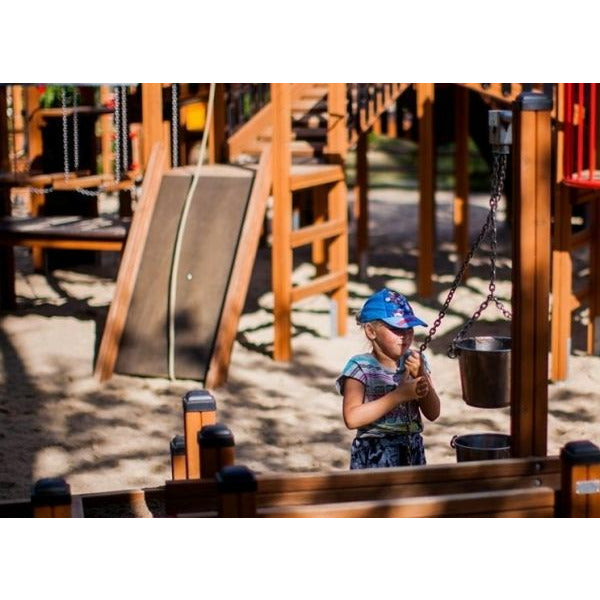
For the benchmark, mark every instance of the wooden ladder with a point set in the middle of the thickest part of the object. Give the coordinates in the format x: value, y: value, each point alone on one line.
x: 328, y: 234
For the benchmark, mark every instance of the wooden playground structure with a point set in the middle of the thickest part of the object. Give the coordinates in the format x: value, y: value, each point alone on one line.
x: 291, y: 142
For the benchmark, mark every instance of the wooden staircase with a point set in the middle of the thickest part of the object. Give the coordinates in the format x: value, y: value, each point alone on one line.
x: 310, y: 128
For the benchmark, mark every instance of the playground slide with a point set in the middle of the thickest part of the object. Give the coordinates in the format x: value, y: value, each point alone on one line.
x: 210, y: 247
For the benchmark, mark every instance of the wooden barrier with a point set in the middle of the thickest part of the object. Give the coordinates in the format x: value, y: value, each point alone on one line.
x: 178, y: 468
x: 580, y: 481
x: 199, y: 409
x: 217, y: 449
x: 564, y: 486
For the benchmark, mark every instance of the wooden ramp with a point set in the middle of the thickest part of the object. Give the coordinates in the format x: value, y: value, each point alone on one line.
x: 218, y: 249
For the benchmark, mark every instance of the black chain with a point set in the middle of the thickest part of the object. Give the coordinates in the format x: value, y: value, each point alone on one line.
x: 489, y: 228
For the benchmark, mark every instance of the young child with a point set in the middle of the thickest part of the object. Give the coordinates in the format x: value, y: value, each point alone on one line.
x: 388, y: 389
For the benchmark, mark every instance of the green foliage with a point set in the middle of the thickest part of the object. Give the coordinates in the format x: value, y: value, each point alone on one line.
x: 52, y: 96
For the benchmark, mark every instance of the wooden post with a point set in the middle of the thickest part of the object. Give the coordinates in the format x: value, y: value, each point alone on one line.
x: 152, y: 121
x: 217, y: 449
x: 199, y: 409
x: 4, y: 146
x: 216, y: 136
x: 461, y: 170
x: 593, y: 330
x: 337, y: 150
x: 580, y: 480
x: 361, y: 205
x: 178, y: 468
x: 237, y: 492
x: 562, y: 276
x: 51, y: 498
x: 106, y: 132
x: 282, y: 259
x: 531, y: 276
x: 426, y: 236
x: 319, y: 247
x: 34, y: 124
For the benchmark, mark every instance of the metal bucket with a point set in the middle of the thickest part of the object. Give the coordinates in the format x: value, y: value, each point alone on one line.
x: 481, y: 446
x: 485, y: 370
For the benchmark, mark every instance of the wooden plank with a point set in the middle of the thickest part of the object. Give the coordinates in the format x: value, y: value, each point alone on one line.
x: 318, y: 231
x: 542, y: 281
x: 307, y: 176
x: 241, y: 273
x: 361, y: 205
x: 426, y: 154
x: 319, y: 245
x: 5, y: 165
x: 561, y: 286
x: 320, y: 285
x: 282, y: 222
x: 495, y: 503
x: 216, y: 136
x: 129, y: 267
x: 523, y: 298
x: 75, y: 183
x: 152, y: 119
x: 338, y: 256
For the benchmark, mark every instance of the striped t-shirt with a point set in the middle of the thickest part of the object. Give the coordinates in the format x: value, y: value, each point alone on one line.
x: 378, y: 382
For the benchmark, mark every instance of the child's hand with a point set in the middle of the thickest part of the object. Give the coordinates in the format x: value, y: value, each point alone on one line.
x: 413, y: 363
x: 415, y: 388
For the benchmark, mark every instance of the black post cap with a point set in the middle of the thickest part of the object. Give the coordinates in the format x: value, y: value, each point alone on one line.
x: 534, y: 101
x: 51, y: 491
x: 236, y: 479
x: 581, y: 452
x: 215, y: 436
x: 177, y: 445
x: 199, y: 401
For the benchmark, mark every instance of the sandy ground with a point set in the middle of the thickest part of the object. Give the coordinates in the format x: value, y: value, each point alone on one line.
x: 57, y: 420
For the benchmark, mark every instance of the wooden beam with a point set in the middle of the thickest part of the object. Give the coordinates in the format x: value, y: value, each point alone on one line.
x: 426, y: 235
x: 4, y: 151
x: 361, y: 205
x: 152, y: 121
x: 130, y: 264
x: 282, y: 221
x: 562, y: 283
x: 531, y: 273
x: 216, y: 136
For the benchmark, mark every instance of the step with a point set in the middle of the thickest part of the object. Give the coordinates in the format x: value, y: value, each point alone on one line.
x: 319, y: 231
x: 298, y: 148
x: 307, y: 105
x: 307, y: 176
x: 311, y: 119
x: 319, y: 285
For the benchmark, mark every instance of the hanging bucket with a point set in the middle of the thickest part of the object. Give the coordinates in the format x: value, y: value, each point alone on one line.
x: 481, y: 446
x: 485, y: 371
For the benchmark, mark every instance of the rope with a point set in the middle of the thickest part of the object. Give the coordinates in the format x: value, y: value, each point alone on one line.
x: 179, y: 236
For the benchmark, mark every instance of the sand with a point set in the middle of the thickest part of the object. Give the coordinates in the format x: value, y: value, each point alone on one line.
x: 58, y: 420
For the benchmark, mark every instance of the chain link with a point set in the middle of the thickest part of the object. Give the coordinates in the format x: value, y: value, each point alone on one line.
x: 489, y: 229
x: 174, y: 125
x: 63, y: 94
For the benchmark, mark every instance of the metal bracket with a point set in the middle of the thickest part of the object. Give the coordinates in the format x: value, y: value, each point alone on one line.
x: 592, y: 486
x: 500, y: 126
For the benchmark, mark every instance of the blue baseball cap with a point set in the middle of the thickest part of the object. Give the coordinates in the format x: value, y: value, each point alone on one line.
x: 390, y: 307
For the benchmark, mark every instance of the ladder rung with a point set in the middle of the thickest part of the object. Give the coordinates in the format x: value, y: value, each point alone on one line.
x: 307, y: 176
x: 319, y: 285
x: 77, y: 182
x: 319, y: 231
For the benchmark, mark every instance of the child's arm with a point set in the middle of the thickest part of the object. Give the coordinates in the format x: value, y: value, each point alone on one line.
x: 358, y: 414
x: 430, y: 403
